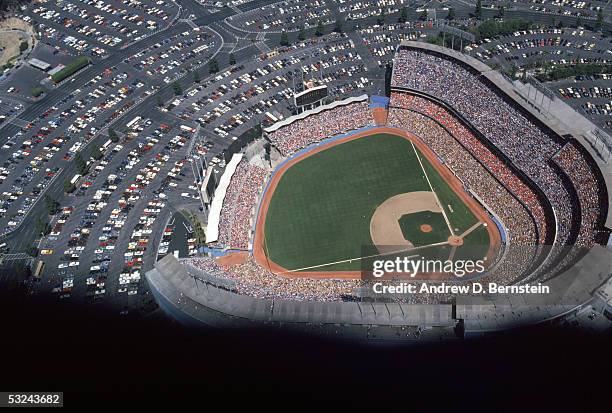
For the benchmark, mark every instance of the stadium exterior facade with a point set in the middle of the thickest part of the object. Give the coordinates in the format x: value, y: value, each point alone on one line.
x: 197, y: 299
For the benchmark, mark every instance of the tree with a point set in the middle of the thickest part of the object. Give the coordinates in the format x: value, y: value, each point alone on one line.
x: 41, y: 225
x: 37, y: 91
x: 112, y: 135
x: 51, y: 204
x: 159, y: 101
x: 213, y: 66
x: 492, y: 28
x: 381, y: 17
x: 23, y: 46
x: 302, y: 34
x: 478, y: 11
x: 502, y: 11
x: 178, y: 89
x: 451, y: 14
x: 96, y: 153
x: 32, y: 251
x: 600, y: 19
x: 68, y: 187
x: 403, y: 17
x: 423, y: 15
x: 21, y: 270
x: 232, y: 59
x: 320, y: 29
x: 196, y: 77
x: 80, y: 164
x: 338, y: 26
x: 284, y: 39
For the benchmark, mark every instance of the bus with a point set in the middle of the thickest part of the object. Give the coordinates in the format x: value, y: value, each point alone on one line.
x: 74, y: 179
x: 186, y: 128
x: 38, y: 269
x: 273, y: 119
x: 106, y: 145
x: 133, y: 121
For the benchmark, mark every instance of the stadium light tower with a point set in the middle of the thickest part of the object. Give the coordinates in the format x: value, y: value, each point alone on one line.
x: 197, y: 158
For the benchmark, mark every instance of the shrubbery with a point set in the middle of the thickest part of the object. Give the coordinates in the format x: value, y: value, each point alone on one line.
x: 493, y: 28
x: 73, y: 67
x: 37, y: 91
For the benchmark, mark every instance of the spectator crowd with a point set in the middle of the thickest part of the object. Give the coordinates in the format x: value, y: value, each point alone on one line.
x: 316, y: 127
x: 529, y: 146
x: 239, y: 205
x: 253, y: 280
x: 575, y: 165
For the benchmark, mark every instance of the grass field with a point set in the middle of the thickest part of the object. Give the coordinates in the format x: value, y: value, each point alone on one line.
x: 320, y: 211
x: 410, y: 225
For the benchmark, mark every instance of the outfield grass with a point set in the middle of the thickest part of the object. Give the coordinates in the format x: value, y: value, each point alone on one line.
x: 460, y: 217
x: 475, y: 245
x: 321, y: 209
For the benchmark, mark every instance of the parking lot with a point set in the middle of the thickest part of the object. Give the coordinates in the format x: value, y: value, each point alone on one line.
x: 592, y: 95
x: 177, y: 55
x: 539, y: 50
x: 95, y: 27
x: 9, y: 108
x: 239, y: 98
x: 34, y: 155
x: 97, y: 246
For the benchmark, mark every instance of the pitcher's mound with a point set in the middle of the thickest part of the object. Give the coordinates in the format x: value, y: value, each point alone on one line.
x: 426, y: 228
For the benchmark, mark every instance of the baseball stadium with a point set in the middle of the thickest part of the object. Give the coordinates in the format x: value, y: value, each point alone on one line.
x: 453, y: 163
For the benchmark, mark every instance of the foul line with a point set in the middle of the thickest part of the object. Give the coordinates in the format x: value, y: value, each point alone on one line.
x: 370, y: 256
x: 471, y: 229
x: 432, y: 190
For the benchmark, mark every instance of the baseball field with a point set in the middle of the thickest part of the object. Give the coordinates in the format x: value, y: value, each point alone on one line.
x: 325, y: 209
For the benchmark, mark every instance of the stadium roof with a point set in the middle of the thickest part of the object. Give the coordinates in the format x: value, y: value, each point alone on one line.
x: 191, y: 299
x: 212, y: 228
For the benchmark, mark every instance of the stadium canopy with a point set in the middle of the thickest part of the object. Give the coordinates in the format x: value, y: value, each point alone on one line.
x: 212, y: 228
x: 319, y: 109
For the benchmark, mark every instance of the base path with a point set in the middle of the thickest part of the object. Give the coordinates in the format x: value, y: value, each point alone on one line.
x: 259, y: 248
